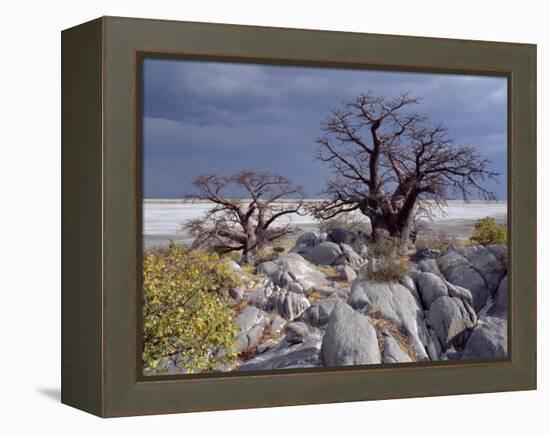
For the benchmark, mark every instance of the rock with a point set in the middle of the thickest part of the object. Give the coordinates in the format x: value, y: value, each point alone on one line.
x: 499, y: 251
x: 450, y: 319
x: 347, y: 273
x: 488, y: 339
x: 319, y: 313
x: 434, y: 348
x: 277, y: 324
x: 296, y: 287
x: 296, y: 267
x: 289, y: 305
x: 261, y: 294
x: 351, y: 257
x: 430, y: 287
x: 286, y: 355
x: 305, y: 242
x: 459, y: 271
x: 408, y: 282
x: 324, y: 253
x: 237, y: 294
x: 268, y: 268
x: 428, y: 266
x: 251, y: 323
x: 485, y: 263
x: 350, y: 339
x: 255, y: 334
x: 266, y: 346
x: 461, y: 293
x: 338, y: 235
x: 397, y: 305
x: 296, y: 332
x: 500, y: 302
x: 393, y: 353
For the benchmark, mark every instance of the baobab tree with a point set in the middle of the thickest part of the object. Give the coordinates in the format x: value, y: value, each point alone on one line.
x: 245, y: 224
x: 389, y: 161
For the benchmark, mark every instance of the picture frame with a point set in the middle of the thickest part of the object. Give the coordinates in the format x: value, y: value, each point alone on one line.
x: 101, y: 216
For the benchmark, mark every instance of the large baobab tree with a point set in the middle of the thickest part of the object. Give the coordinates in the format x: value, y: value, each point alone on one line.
x: 245, y: 224
x: 389, y: 161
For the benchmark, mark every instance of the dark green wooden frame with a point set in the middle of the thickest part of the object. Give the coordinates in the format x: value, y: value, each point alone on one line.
x: 101, y: 191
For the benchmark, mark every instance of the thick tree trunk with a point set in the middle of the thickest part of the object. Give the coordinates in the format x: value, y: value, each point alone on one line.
x: 389, y: 227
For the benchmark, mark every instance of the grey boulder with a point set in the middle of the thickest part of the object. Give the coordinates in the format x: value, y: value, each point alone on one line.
x: 251, y: 323
x: 324, y: 253
x: 487, y: 265
x: 305, y: 242
x: 450, y: 319
x: 458, y: 271
x: 288, y: 304
x: 489, y: 339
x: 397, y: 305
x: 500, y: 302
x: 287, y: 355
x: 296, y: 332
x: 339, y: 235
x: 319, y: 313
x: 293, y: 266
x: 430, y: 287
x: 350, y: 339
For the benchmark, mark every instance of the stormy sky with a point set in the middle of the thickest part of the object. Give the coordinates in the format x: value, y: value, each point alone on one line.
x: 223, y: 117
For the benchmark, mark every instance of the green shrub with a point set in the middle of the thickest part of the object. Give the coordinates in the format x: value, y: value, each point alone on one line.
x: 388, y: 270
x: 487, y: 231
x: 186, y: 314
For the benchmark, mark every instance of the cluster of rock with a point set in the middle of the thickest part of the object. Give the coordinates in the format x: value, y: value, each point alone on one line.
x: 450, y: 307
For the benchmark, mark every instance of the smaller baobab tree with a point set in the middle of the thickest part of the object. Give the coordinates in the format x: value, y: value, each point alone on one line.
x: 248, y: 223
x: 389, y: 162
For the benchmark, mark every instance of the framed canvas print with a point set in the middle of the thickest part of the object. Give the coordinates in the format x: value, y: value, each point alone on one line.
x: 262, y: 217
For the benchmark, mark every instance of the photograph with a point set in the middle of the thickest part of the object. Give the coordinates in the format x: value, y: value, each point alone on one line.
x: 307, y: 217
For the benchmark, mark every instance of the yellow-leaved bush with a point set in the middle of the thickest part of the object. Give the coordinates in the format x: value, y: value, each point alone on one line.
x: 487, y: 231
x: 187, y: 318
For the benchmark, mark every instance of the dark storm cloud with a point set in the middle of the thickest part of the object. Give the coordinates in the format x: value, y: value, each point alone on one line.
x: 203, y: 116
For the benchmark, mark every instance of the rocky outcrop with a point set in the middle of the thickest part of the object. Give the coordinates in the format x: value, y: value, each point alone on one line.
x: 344, y: 319
x: 430, y: 287
x: 485, y: 263
x: 297, y: 332
x: 292, y: 268
x: 288, y: 355
x: 325, y: 253
x: 458, y: 270
x: 489, y: 339
x: 451, y: 320
x: 398, y: 306
x: 349, y: 339
x: 288, y: 304
x: 319, y: 313
x: 500, y: 302
x: 251, y: 323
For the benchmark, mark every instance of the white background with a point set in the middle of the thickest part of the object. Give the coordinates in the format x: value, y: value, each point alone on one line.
x: 30, y: 214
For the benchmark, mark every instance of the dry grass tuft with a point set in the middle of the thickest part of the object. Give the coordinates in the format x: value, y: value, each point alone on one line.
x: 381, y: 324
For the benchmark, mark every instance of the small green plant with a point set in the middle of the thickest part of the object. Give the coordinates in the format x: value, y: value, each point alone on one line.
x: 487, y: 231
x: 186, y: 313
